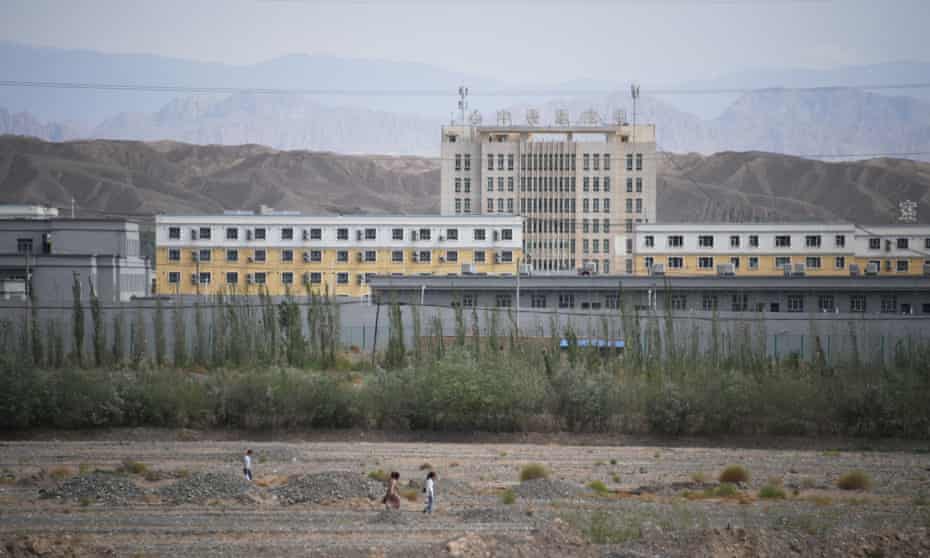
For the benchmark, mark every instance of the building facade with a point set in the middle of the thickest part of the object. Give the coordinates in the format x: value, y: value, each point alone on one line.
x: 578, y: 189
x: 40, y: 255
x: 777, y: 249
x: 288, y: 252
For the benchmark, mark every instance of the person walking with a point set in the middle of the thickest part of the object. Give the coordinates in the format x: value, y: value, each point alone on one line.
x: 392, y: 497
x: 247, y: 465
x: 430, y: 489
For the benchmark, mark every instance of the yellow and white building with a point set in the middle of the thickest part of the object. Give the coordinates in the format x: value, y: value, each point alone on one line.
x: 770, y: 249
x: 242, y: 252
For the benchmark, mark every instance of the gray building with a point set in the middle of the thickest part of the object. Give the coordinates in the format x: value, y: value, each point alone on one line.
x: 43, y: 252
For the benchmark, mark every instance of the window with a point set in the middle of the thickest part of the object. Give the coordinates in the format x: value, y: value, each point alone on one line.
x: 639, y: 205
x: 204, y: 233
x: 585, y: 225
x: 500, y: 205
x: 174, y: 233
x: 639, y: 185
x: 425, y: 256
x: 606, y: 206
x: 676, y: 241
x: 510, y: 184
x: 675, y: 262
x: 458, y: 205
x: 507, y: 256
x: 490, y: 184
x: 452, y: 256
x: 566, y: 301
x: 342, y: 256
x: 606, y: 183
x: 287, y: 233
x: 927, y: 243
x: 584, y: 246
x: 901, y: 266
x: 316, y: 234
x: 371, y: 256
x: 500, y: 161
x: 825, y: 303
x: 812, y: 241
x: 458, y: 162
x: 650, y: 241
x: 734, y: 241
x: 467, y: 205
x: 500, y: 183
x: 490, y: 161
x: 705, y: 262
x: 174, y: 276
x: 287, y: 255
x: 467, y: 184
x: 342, y: 278
x: 342, y: 234
x: 260, y: 255
x: 839, y: 262
x: 397, y: 234
x: 629, y: 205
x: 509, y: 205
x: 679, y: 302
x: 467, y: 162
x: 371, y: 234
x: 585, y: 206
x: 606, y: 226
x: 639, y: 161
x: 585, y: 184
x: 232, y: 233
x: 596, y: 184
x: 510, y: 163
x: 629, y: 185
x: 648, y: 261
x: 839, y: 241
x: 734, y: 261
x: 606, y: 161
x: 316, y: 256
x: 397, y: 256
x: 490, y: 205
x: 875, y: 244
x: 479, y: 256
x: 205, y: 255
x: 587, y: 161
x: 507, y: 234
x: 537, y: 301
x: 782, y: 262
x: 753, y: 241
x: 857, y: 303
x: 232, y: 255
x: 596, y: 245
x: 739, y: 302
x: 287, y: 277
x: 902, y: 244
x: 503, y: 301
x: 316, y: 277
x: 795, y: 303
x: 889, y: 304
x: 425, y: 234
x: 708, y: 302
x: 706, y: 241
x: 812, y: 262
x: 595, y: 205
x: 629, y: 161
x: 783, y: 241
x: 260, y: 233
x: 205, y: 277
x: 174, y: 255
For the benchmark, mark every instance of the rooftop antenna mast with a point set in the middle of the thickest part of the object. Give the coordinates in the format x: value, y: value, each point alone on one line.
x: 463, y: 102
x: 634, y: 92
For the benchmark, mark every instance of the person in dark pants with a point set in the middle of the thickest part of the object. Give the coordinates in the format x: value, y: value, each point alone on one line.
x: 430, y: 490
x: 247, y: 465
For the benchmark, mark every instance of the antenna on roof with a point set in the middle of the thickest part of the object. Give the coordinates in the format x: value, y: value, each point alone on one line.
x: 463, y: 102
x: 634, y: 92
x: 532, y: 117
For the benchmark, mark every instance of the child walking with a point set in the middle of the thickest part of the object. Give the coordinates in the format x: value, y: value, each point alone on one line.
x: 247, y: 465
x: 430, y: 490
x: 392, y: 497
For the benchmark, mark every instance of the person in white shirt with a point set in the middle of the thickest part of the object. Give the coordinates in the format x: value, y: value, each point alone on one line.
x: 247, y: 465
x: 430, y: 490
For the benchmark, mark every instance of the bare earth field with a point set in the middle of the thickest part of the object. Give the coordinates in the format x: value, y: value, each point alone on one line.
x: 82, y: 498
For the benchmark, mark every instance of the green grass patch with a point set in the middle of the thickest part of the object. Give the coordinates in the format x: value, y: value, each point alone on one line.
x: 378, y: 475
x: 698, y: 477
x: 726, y: 490
x: 132, y: 467
x: 533, y: 471
x: 734, y: 474
x: 599, y: 487
x: 772, y: 492
x: 616, y: 478
x: 854, y: 480
x: 508, y: 497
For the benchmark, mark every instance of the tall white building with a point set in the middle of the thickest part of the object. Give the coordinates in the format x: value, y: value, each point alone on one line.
x: 578, y: 188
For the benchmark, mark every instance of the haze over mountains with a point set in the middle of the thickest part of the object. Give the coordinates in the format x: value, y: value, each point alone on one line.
x: 134, y: 178
x: 828, y: 121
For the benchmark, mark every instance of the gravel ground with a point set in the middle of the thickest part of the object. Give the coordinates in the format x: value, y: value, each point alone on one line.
x: 315, y: 498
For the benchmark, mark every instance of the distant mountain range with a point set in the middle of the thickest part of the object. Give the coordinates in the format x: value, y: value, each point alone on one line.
x: 139, y: 179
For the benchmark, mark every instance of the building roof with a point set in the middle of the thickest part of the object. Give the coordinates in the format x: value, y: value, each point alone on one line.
x: 491, y: 220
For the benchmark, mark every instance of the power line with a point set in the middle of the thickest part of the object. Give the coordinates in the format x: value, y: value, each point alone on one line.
x: 161, y: 88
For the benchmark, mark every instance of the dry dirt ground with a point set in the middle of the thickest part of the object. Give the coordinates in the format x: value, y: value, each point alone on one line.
x: 658, y: 502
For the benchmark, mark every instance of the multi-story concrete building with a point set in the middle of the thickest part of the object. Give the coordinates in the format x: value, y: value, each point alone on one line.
x: 41, y: 253
x: 768, y: 249
x: 285, y: 251
x: 578, y: 189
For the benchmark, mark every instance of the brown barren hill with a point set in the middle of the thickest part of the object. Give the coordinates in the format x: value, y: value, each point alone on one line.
x: 137, y: 178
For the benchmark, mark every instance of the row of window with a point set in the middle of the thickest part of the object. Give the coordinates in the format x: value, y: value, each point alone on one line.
x: 260, y: 277
x: 342, y: 256
x: 595, y: 244
x: 780, y: 241
x: 781, y: 262
x: 888, y: 304
x: 548, y: 161
x: 342, y: 233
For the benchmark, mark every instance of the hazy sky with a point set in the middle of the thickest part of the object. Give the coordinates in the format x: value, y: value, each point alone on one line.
x: 653, y: 41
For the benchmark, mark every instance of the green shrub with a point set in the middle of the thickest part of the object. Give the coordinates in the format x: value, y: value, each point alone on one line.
x: 613, y: 461
x: 599, y: 487
x: 616, y: 478
x: 854, y: 480
x: 734, y: 474
x: 771, y: 491
x: 533, y: 471
x: 726, y: 490
x: 379, y: 475
x: 508, y: 497
x: 698, y: 477
x: 133, y: 467
x: 426, y: 467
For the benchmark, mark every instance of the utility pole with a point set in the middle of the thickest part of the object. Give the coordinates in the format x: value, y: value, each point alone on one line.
x: 72, y: 207
x: 519, y: 265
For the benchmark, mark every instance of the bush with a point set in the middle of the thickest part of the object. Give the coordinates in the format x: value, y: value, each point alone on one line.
x: 854, y: 480
x: 133, y: 467
x: 409, y: 494
x: 379, y: 475
x: 61, y: 473
x: 426, y: 467
x: 508, y: 497
x: 771, y: 491
x: 533, y: 471
x: 599, y: 487
x: 698, y: 477
x: 726, y: 490
x: 616, y: 478
x: 734, y: 474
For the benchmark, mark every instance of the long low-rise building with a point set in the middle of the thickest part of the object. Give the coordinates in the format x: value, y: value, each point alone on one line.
x: 282, y: 252
x: 770, y: 249
x: 904, y: 295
